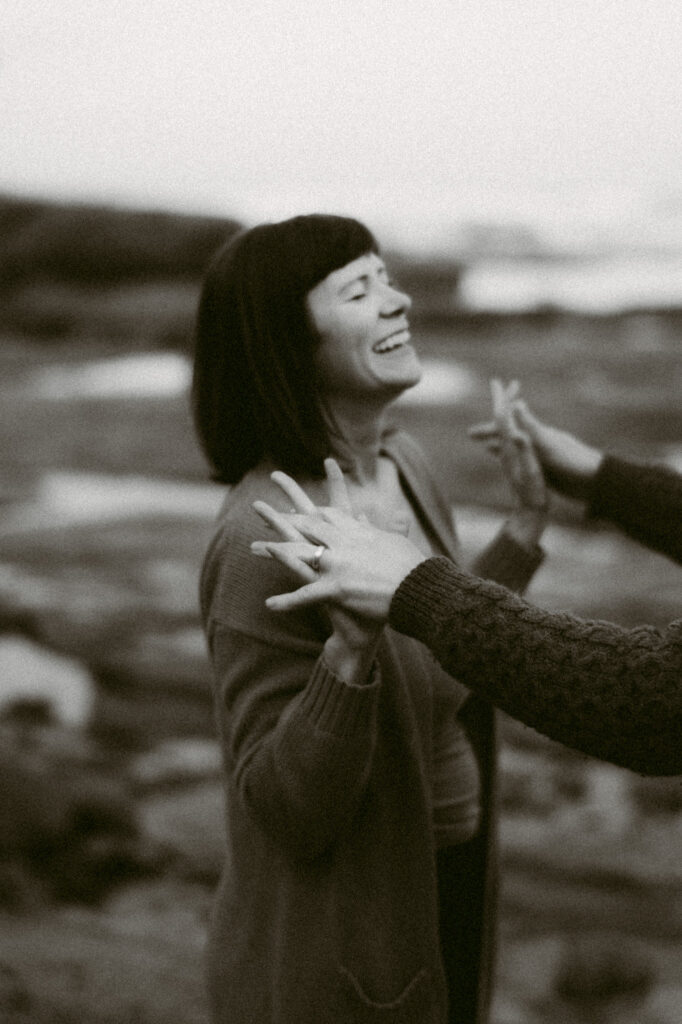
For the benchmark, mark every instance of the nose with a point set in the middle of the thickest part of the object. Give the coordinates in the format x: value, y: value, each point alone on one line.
x: 394, y: 301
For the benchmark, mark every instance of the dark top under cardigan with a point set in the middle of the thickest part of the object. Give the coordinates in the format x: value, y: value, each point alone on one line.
x: 610, y: 692
x: 328, y: 908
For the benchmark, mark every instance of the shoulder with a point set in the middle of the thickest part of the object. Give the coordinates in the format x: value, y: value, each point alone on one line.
x: 234, y: 582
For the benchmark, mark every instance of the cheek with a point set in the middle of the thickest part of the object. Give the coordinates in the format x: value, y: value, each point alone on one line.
x: 338, y: 363
x: 329, y: 364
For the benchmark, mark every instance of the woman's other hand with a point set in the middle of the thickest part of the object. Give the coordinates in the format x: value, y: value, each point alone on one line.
x: 360, y: 565
x: 513, y: 445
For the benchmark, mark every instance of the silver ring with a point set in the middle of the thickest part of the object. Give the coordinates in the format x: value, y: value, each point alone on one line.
x: 314, y: 562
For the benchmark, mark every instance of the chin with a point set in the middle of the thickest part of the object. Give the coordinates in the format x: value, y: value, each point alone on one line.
x: 398, y: 386
x: 412, y: 374
x: 397, y: 373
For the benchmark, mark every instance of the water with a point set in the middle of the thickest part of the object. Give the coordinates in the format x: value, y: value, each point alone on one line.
x: 145, y: 375
x: 167, y: 374
x: 604, y: 285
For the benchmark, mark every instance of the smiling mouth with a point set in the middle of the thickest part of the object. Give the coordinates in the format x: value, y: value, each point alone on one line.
x: 392, y: 342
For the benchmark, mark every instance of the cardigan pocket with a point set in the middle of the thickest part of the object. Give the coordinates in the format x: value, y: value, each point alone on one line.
x: 415, y: 1004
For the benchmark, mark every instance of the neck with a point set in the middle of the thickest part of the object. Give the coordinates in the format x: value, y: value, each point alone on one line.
x: 355, y: 431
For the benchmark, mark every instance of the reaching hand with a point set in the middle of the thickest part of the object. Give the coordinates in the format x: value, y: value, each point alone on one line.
x: 504, y: 437
x: 359, y: 566
x: 568, y: 463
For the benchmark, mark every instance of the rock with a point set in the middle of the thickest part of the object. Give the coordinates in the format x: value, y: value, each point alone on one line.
x: 508, y: 1010
x: 70, y: 828
x: 190, y: 824
x: 171, y: 661
x: 20, y: 891
x: 161, y: 906
x: 527, y: 965
x: 527, y: 786
x: 15, y: 998
x: 29, y: 672
x: 607, y: 802
x: 664, y: 1005
x: 72, y: 967
x: 599, y: 969
x: 661, y: 797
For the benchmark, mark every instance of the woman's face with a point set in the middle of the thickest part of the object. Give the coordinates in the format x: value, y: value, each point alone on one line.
x: 360, y: 319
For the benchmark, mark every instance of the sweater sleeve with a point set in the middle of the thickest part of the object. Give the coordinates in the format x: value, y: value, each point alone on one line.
x: 610, y: 692
x: 298, y: 741
x: 644, y: 501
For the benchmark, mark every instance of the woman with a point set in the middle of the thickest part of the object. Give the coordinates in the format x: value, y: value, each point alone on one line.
x: 610, y: 692
x: 358, y: 776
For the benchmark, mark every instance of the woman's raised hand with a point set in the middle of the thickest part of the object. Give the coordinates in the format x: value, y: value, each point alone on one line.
x: 567, y: 463
x: 506, y: 438
x: 341, y: 559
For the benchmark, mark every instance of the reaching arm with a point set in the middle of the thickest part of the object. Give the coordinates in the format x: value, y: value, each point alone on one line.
x: 644, y: 501
x: 610, y: 692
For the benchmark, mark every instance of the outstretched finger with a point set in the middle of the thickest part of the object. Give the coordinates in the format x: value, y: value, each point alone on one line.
x: 338, y: 491
x: 482, y: 431
x: 318, y: 528
x: 497, y: 396
x: 509, y: 428
x: 525, y: 417
x: 313, y: 593
x: 513, y: 390
x: 279, y: 521
x: 502, y: 409
x: 296, y: 494
x: 294, y: 555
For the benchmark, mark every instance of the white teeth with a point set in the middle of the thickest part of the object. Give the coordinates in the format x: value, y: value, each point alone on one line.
x: 387, y: 346
x: 396, y: 340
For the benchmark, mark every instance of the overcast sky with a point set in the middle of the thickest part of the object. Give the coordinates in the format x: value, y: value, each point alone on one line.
x: 397, y: 107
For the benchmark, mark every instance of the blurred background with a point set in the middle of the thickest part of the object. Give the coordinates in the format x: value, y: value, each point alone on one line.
x: 521, y: 165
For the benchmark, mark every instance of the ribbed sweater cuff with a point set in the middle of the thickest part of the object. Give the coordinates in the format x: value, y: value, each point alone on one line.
x: 509, y: 563
x: 419, y: 602
x: 336, y: 707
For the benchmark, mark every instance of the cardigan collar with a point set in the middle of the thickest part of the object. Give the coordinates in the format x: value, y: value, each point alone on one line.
x: 407, y: 456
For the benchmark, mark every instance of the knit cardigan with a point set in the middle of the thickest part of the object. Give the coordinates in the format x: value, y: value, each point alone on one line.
x: 327, y: 910
x: 610, y: 692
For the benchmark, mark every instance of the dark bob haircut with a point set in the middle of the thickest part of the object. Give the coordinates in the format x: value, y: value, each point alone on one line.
x: 254, y: 392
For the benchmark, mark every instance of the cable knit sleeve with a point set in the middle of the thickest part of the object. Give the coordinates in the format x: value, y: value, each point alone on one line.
x: 645, y: 501
x: 610, y: 692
